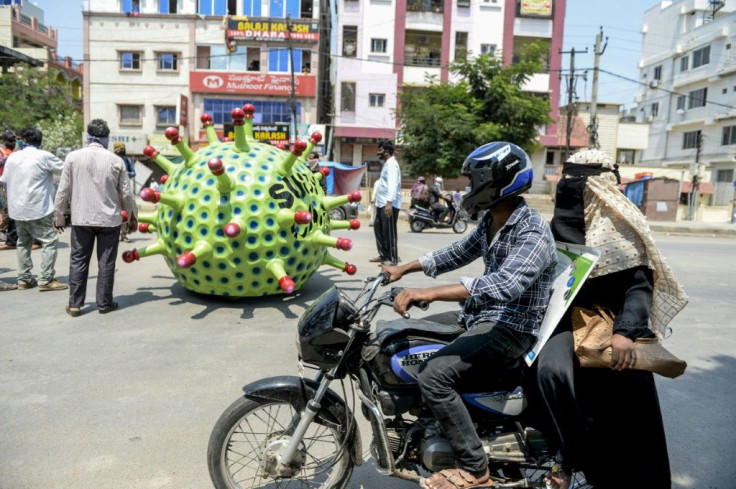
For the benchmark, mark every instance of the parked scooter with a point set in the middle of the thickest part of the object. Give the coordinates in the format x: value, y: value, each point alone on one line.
x: 423, y: 217
x: 290, y: 429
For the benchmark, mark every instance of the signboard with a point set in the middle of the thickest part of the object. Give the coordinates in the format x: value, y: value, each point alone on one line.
x: 536, y: 8
x: 269, y: 29
x: 247, y: 83
x: 275, y: 133
x: 574, y: 264
x: 183, y: 110
x: 134, y: 142
x: 163, y: 145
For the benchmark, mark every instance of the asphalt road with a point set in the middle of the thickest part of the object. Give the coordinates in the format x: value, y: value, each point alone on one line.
x: 128, y: 399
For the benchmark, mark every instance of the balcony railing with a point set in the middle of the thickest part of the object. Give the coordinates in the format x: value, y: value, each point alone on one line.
x: 431, y: 61
x: 434, y: 6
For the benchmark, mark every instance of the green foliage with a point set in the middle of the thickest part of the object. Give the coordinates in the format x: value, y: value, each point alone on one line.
x: 442, y: 123
x: 32, y: 98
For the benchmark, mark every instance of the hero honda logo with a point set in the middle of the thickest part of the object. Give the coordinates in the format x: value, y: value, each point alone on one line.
x: 406, y: 363
x: 213, y: 81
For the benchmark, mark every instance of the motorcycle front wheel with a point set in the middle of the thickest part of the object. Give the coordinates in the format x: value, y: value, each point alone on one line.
x: 416, y: 226
x: 460, y: 226
x: 250, y: 432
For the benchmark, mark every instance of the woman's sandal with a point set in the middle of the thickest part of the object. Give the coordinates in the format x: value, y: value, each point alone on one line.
x: 455, y: 479
x: 557, y: 478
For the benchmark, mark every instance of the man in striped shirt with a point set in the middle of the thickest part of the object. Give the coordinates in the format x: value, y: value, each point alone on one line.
x: 388, y: 204
x: 95, y: 187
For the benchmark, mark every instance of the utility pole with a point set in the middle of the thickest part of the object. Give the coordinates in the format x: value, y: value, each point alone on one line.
x: 593, y: 126
x: 292, y: 99
x: 570, y: 110
x: 693, y: 197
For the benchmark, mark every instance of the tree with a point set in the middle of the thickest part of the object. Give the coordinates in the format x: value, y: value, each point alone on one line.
x: 444, y: 122
x: 33, y: 98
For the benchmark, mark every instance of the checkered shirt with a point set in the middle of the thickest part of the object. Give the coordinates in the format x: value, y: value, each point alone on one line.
x: 520, y: 269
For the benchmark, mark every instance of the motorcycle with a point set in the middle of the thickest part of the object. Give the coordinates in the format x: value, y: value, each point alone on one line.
x: 422, y: 217
x: 295, y: 429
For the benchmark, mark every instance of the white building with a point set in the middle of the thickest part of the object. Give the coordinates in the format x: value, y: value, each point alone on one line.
x: 688, y: 65
x: 160, y: 63
x: 386, y: 47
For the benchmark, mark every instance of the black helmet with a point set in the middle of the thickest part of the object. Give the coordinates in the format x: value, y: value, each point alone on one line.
x: 497, y: 171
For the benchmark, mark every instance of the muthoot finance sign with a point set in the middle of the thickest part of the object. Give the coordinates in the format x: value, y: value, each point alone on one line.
x: 251, y: 83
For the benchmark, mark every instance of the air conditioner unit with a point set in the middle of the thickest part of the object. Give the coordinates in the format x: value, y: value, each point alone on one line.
x: 654, y: 83
x: 650, y: 118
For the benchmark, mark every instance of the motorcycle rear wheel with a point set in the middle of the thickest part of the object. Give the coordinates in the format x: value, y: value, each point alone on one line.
x: 460, y: 226
x: 416, y: 226
x: 240, y: 439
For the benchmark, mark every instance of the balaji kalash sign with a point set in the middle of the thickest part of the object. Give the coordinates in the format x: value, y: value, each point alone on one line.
x: 269, y: 29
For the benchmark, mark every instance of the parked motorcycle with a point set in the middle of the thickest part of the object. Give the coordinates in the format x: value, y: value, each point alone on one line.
x: 423, y: 217
x: 294, y: 429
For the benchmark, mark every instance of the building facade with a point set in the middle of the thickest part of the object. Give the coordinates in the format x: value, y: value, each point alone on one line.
x: 25, y: 38
x: 160, y: 63
x: 688, y: 94
x: 383, y: 48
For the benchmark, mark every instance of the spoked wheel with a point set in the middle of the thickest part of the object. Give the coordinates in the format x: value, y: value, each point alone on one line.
x: 534, y: 475
x: 247, y: 437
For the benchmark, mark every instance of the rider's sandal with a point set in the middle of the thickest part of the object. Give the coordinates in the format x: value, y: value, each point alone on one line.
x: 557, y: 478
x: 455, y: 479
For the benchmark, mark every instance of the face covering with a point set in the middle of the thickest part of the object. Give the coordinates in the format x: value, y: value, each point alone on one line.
x: 20, y: 144
x: 103, y: 141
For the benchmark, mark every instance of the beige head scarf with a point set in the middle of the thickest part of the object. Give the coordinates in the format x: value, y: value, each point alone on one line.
x: 616, y: 227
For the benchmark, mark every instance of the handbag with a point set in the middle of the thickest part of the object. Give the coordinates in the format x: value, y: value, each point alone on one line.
x: 592, y: 327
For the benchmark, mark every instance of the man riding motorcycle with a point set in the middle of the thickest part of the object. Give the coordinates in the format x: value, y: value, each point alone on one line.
x: 435, y: 200
x: 502, y: 309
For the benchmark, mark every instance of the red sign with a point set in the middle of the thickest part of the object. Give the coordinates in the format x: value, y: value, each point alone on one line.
x: 256, y: 84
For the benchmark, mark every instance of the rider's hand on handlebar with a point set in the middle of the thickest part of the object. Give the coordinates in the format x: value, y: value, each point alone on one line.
x: 395, y: 273
x: 408, y: 297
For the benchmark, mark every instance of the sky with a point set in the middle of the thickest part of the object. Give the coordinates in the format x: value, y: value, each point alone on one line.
x: 621, y: 21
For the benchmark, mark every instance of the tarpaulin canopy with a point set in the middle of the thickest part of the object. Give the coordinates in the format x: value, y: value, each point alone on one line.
x: 342, y: 179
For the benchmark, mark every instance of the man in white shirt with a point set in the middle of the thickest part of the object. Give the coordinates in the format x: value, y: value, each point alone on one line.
x: 29, y: 177
x: 388, y: 204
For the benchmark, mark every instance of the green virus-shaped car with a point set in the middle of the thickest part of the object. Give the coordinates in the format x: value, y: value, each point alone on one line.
x: 242, y: 218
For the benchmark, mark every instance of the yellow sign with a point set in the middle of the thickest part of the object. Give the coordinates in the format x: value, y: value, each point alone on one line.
x: 538, y: 8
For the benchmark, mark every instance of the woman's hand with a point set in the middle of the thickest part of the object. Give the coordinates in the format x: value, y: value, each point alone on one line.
x: 406, y: 297
x: 623, y: 353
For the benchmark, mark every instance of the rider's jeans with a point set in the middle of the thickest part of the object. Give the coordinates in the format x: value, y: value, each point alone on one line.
x: 469, y: 360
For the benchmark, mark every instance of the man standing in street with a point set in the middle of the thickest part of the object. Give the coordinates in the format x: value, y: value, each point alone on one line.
x: 29, y: 180
x: 388, y: 204
x: 96, y: 187
x: 7, y: 146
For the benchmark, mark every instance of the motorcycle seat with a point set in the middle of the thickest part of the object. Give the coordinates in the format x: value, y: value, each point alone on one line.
x: 385, y: 330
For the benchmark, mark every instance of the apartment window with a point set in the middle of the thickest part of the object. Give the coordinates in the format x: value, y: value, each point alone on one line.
x: 168, y: 62
x: 690, y: 139
x: 165, y: 115
x: 347, y: 96
x: 701, y: 57
x: 350, y: 40
x: 130, y: 115
x: 423, y: 48
x: 488, y: 49
x: 697, y: 98
x: 729, y: 135
x: 167, y: 6
x: 130, y: 60
x: 377, y: 99
x: 461, y: 46
x: 203, y: 58
x: 436, y: 6
x: 655, y: 109
x: 129, y: 6
x: 282, y: 9
x: 463, y: 3
x: 221, y: 60
x: 378, y: 45
x: 658, y: 72
x: 684, y: 61
x: 681, y: 102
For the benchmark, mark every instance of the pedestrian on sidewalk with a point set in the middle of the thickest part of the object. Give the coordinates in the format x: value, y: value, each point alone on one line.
x: 29, y: 180
x: 388, y: 205
x: 96, y: 187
